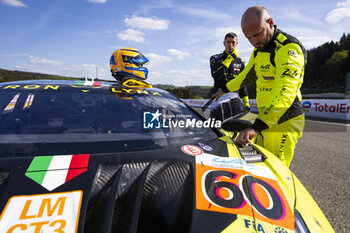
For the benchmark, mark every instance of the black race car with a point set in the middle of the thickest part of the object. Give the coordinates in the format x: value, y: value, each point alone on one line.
x: 101, y: 157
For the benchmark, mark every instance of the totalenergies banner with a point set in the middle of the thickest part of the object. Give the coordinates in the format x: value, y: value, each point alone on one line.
x: 322, y: 108
x: 326, y: 108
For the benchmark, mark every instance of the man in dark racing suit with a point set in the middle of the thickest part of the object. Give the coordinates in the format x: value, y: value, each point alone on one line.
x: 226, y: 66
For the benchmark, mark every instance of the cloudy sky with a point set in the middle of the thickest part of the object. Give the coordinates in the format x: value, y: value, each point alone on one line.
x: 73, y: 37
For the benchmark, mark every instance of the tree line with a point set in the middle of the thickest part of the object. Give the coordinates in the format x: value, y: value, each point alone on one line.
x: 15, y: 75
x: 327, y: 66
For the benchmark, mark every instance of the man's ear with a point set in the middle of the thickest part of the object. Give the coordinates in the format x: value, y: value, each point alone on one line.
x: 270, y: 22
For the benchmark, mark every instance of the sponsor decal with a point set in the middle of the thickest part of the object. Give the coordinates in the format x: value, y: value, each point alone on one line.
x: 54, y: 212
x: 268, y: 78
x: 11, y: 106
x: 283, y: 143
x: 79, y: 85
x: 338, y: 108
x: 306, y: 106
x: 205, y: 147
x: 292, y: 53
x: 29, y: 101
x: 226, y: 185
x: 192, y: 150
x: 289, y: 73
x: 236, y: 65
x: 265, y: 67
x: 255, y: 226
x: 264, y: 89
x: 132, y: 92
x: 195, y: 102
x: 280, y: 230
x: 53, y: 171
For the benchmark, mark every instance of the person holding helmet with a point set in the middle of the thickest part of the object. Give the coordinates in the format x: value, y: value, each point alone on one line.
x: 128, y: 63
x: 226, y: 66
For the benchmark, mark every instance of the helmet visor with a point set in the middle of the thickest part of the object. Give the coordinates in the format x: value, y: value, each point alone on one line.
x: 139, y: 60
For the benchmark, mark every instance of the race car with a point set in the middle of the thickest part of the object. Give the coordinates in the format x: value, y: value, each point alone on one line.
x: 105, y: 157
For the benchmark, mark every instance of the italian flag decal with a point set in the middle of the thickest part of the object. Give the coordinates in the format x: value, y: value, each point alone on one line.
x: 53, y: 171
x: 88, y: 83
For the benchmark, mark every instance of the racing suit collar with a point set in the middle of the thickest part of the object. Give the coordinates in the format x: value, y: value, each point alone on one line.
x: 271, y: 42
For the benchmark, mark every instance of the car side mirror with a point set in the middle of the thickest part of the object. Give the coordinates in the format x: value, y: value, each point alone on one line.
x: 235, y: 125
x: 239, y: 123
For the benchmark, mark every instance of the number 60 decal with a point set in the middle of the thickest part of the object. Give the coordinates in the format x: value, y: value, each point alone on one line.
x: 238, y: 196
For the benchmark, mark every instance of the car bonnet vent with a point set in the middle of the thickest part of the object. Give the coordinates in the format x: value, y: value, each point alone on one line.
x: 141, y: 197
x: 251, y: 154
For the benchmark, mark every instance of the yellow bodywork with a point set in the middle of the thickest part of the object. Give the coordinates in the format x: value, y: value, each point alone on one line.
x: 291, y: 191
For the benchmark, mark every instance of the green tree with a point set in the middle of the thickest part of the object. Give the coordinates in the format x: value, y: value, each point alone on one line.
x: 334, y: 66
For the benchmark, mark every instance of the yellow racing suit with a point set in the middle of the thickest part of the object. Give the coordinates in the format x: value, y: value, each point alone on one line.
x: 278, y: 70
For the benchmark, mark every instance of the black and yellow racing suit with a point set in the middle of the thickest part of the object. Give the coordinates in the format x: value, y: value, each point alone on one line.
x: 278, y: 71
x: 225, y: 67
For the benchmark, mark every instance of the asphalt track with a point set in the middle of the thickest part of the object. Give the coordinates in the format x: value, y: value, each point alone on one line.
x: 322, y: 163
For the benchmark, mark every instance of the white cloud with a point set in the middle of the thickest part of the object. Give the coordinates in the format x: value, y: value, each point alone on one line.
x: 113, y: 31
x: 156, y: 4
x: 213, y: 35
x: 97, y: 1
x: 16, y: 55
x: 180, y: 55
x: 311, y: 37
x: 195, y: 10
x: 343, y: 4
x: 81, y: 67
x: 147, y: 23
x: 131, y: 35
x: 310, y: 42
x: 43, y: 61
x: 202, y: 12
x: 15, y: 3
x: 245, y: 53
x: 156, y: 60
x: 84, y: 70
x: 341, y: 12
x: 221, y: 32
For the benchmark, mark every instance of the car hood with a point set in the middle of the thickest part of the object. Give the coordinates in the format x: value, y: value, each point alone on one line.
x: 212, y: 186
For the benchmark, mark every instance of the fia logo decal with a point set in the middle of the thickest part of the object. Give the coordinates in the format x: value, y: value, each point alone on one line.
x: 205, y: 147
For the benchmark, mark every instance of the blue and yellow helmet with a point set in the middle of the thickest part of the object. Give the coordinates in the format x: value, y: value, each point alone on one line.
x: 126, y: 62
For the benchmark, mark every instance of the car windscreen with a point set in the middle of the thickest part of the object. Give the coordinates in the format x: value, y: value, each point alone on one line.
x: 51, y: 116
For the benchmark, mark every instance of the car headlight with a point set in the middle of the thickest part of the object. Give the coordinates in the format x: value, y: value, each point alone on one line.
x: 300, y: 226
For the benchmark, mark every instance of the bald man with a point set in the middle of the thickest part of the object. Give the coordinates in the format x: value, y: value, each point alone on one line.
x: 277, y: 66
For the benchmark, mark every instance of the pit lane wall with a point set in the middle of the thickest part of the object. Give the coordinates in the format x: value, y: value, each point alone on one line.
x: 338, y: 109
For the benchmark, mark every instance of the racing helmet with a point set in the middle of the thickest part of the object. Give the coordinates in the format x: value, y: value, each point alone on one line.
x: 128, y: 62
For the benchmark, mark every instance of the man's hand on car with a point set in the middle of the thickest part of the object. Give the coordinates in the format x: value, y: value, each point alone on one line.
x: 245, y: 136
